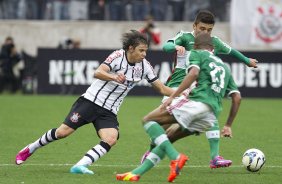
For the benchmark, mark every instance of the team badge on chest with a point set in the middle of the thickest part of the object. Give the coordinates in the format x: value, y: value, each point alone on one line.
x: 137, y: 72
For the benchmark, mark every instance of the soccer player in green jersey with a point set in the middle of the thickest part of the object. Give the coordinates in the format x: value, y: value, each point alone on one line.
x: 182, y: 43
x: 196, y: 113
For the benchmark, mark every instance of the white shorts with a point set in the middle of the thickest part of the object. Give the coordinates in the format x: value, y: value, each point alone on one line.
x: 192, y: 115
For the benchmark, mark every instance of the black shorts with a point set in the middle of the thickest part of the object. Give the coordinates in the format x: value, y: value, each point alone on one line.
x: 84, y: 111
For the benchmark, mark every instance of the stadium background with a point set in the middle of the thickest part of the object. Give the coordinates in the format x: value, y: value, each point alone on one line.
x: 103, y: 36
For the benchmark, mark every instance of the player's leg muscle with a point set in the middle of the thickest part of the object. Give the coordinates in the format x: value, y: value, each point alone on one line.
x: 159, y: 115
x: 64, y: 131
x: 109, y: 135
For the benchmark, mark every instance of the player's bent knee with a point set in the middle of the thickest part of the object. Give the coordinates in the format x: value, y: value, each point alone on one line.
x: 63, y: 131
x: 144, y: 120
x: 109, y: 135
x: 111, y: 140
x: 61, y: 134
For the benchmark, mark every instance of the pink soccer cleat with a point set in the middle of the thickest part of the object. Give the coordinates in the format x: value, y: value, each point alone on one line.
x: 22, y: 155
x: 219, y: 161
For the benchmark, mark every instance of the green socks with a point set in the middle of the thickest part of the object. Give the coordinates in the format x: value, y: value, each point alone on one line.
x: 155, y: 156
x: 213, y: 136
x: 214, y: 147
x: 158, y: 136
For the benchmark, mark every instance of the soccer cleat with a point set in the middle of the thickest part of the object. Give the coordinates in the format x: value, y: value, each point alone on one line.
x: 176, y: 166
x: 127, y: 177
x: 23, y: 155
x: 80, y: 169
x: 144, y: 156
x: 219, y: 161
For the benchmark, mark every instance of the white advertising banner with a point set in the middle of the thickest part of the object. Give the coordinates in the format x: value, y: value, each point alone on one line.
x: 67, y: 71
x: 256, y: 23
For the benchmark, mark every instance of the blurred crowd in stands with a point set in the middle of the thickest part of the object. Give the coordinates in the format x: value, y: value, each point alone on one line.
x: 18, y: 69
x: 10, y: 66
x: 117, y: 10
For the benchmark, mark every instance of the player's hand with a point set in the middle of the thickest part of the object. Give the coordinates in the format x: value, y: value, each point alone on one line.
x: 180, y: 50
x: 253, y: 63
x: 120, y: 78
x: 166, y: 103
x: 226, y: 132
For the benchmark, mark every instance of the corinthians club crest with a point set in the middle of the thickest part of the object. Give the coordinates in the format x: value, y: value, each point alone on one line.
x: 74, y: 118
x: 137, y: 72
x: 269, y: 25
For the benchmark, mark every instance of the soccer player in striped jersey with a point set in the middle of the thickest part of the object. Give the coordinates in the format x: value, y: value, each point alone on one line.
x: 181, y: 44
x: 99, y: 105
x: 196, y: 113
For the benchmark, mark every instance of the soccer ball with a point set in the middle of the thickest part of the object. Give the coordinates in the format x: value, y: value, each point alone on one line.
x: 253, y: 159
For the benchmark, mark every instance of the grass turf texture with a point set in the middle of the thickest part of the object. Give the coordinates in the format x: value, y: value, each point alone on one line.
x: 23, y: 119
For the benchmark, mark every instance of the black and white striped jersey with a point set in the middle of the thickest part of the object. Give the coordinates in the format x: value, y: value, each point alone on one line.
x: 110, y: 94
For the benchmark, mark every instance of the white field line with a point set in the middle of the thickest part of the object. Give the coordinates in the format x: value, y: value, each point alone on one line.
x: 122, y: 165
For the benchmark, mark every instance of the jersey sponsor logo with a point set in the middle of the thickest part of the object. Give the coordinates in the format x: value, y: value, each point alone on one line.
x: 113, y: 56
x: 215, y: 88
x: 74, y: 118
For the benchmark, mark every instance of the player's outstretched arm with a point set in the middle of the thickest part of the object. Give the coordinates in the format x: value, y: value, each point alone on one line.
x: 102, y: 73
x: 186, y: 83
x: 236, y: 100
x: 248, y: 61
x: 161, y: 88
x: 171, y: 47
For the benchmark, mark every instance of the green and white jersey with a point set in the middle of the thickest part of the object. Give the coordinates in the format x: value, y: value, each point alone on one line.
x: 214, y: 80
x: 187, y: 39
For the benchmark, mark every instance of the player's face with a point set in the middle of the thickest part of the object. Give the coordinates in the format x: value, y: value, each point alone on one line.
x: 137, y: 54
x: 202, y: 28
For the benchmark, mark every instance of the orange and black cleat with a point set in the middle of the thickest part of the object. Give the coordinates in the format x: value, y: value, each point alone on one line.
x: 176, y: 166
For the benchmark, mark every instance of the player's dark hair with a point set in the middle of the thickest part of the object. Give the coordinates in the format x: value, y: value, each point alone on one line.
x: 203, y: 41
x: 133, y: 38
x: 205, y: 16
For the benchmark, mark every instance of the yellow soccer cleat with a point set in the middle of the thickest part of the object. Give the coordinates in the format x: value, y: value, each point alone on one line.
x: 127, y: 177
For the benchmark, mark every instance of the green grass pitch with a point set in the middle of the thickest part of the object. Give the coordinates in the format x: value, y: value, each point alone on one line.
x: 24, y: 119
